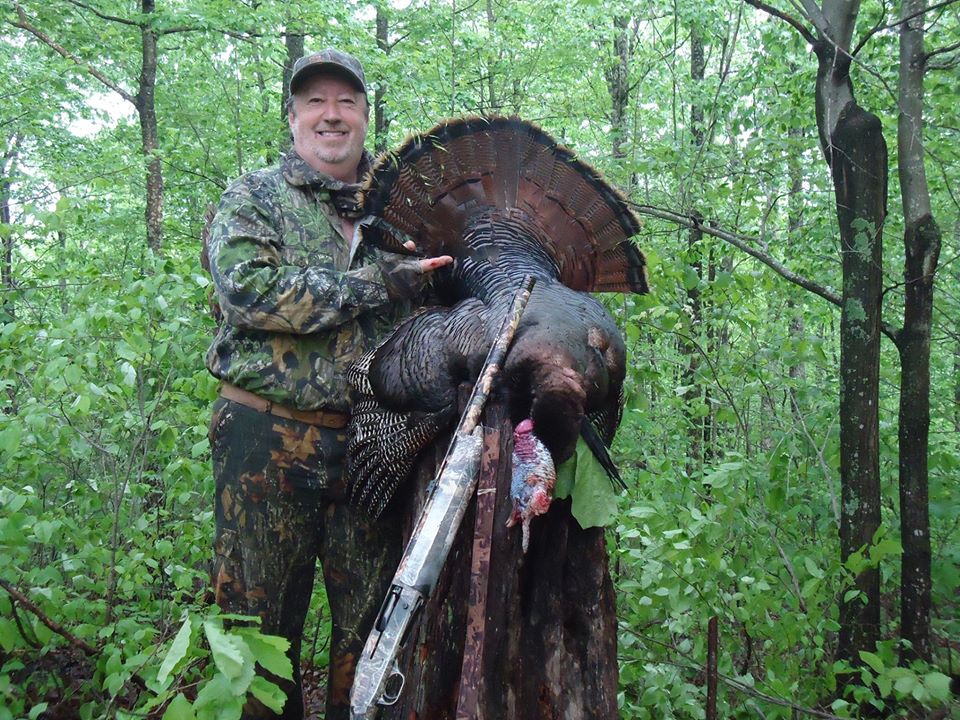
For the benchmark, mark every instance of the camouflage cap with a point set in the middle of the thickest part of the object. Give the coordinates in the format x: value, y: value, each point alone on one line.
x: 328, y: 60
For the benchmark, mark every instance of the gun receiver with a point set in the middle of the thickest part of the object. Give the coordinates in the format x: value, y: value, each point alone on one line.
x: 378, y: 679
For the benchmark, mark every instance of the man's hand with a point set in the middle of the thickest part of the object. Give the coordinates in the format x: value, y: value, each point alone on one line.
x: 428, y: 264
x: 405, y: 277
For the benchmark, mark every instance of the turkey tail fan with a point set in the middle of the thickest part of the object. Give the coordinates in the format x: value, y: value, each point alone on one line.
x: 436, y: 184
x: 601, y: 452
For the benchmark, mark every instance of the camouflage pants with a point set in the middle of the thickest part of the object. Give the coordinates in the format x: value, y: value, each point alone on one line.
x: 280, y: 506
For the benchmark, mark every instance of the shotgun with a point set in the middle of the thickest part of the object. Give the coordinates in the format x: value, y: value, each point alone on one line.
x: 378, y: 679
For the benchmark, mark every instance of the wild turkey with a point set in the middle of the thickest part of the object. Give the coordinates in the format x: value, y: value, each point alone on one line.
x: 506, y: 201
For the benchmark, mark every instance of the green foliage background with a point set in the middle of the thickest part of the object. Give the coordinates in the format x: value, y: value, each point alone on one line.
x: 105, y: 506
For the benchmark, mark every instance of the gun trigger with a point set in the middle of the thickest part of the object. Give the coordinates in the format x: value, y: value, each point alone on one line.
x: 391, y: 689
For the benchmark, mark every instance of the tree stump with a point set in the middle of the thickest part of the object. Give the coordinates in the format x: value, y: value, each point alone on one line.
x: 548, y: 648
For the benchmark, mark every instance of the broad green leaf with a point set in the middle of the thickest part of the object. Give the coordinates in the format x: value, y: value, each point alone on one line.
x: 129, y: 374
x: 217, y: 701
x: 594, y: 499
x: 228, y: 651
x: 873, y: 660
x: 178, y: 650
x: 938, y: 685
x: 268, y: 693
x: 905, y: 685
x: 179, y: 709
x: 270, y: 651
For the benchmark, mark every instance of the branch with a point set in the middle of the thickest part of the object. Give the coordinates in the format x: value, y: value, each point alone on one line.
x: 940, y: 51
x: 42, y: 617
x: 730, y: 682
x: 810, y: 10
x: 104, y: 16
x: 24, y: 24
x: 749, y: 245
x: 789, y: 19
x: 745, y: 243
x: 895, y: 23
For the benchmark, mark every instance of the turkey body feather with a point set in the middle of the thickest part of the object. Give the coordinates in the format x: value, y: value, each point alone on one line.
x: 507, y: 202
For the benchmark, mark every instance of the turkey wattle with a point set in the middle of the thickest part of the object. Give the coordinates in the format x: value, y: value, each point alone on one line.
x: 533, y: 479
x: 506, y: 201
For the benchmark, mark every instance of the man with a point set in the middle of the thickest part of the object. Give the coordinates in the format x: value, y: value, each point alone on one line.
x: 301, y: 301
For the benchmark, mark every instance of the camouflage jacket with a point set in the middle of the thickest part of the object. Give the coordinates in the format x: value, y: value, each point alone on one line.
x: 300, y: 303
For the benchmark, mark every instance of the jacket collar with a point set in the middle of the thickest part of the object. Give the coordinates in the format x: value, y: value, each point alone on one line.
x: 297, y: 172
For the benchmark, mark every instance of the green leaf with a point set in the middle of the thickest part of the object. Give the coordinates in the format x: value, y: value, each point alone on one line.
x: 43, y: 530
x: 566, y: 477
x: 270, y: 651
x: 268, y: 693
x: 938, y: 685
x: 176, y: 653
x: 228, y: 650
x: 905, y: 684
x: 10, y: 439
x: 594, y: 499
x: 216, y: 701
x: 873, y: 660
x: 129, y: 374
x: 812, y: 568
x: 9, y: 635
x: 179, y: 709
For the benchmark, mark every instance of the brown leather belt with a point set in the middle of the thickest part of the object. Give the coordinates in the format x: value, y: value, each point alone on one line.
x: 323, y: 418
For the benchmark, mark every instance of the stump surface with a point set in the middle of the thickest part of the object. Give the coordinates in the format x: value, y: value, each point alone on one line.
x: 549, y: 644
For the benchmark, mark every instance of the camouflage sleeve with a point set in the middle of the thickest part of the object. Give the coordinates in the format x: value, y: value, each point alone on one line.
x: 261, y: 287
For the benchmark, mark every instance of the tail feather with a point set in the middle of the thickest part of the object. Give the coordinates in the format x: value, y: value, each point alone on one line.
x: 436, y: 182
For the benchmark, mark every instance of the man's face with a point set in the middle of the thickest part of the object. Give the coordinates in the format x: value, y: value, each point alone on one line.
x: 328, y: 120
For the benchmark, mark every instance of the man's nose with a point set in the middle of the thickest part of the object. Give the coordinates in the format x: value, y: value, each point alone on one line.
x: 331, y: 111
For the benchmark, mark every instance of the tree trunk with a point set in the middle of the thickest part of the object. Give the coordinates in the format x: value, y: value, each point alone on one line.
x: 694, y: 394
x: 493, y: 102
x: 146, y: 107
x: 381, y: 124
x: 853, y: 143
x: 797, y: 369
x: 922, y: 251
x: 8, y: 164
x: 618, y: 85
x: 548, y: 648
x: 293, y: 41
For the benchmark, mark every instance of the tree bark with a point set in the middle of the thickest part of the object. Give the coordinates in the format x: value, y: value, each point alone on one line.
x: 695, y: 393
x: 856, y: 151
x: 146, y: 107
x: 922, y: 240
x: 618, y: 85
x: 293, y: 42
x: 381, y: 124
x: 549, y: 645
x: 8, y: 164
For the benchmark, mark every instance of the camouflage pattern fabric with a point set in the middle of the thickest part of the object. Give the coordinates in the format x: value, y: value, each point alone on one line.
x: 300, y: 302
x: 279, y: 487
